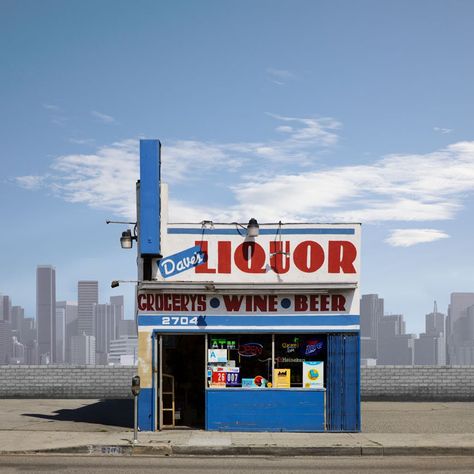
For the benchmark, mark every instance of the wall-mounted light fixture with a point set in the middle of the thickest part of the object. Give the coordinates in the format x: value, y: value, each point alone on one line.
x: 116, y: 283
x: 253, y: 228
x: 126, y: 241
x: 207, y: 224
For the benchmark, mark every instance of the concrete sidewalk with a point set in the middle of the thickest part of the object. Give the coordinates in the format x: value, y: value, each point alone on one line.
x: 196, y: 442
x: 101, y: 427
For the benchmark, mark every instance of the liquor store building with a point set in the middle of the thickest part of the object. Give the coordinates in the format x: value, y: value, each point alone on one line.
x: 245, y: 327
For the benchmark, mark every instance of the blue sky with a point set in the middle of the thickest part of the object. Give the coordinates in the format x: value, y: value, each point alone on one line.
x: 301, y: 111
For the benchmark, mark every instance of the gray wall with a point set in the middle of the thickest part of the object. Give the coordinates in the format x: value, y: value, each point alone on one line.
x: 65, y: 381
x: 378, y: 383
x: 422, y: 382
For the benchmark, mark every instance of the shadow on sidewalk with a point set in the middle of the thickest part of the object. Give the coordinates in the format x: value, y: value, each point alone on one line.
x: 104, y: 412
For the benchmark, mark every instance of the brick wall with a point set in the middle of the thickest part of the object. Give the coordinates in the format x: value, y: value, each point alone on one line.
x: 377, y: 383
x: 423, y: 382
x: 65, y: 381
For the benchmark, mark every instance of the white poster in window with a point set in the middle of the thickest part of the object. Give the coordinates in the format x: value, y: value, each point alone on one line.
x: 216, y: 355
x: 313, y: 374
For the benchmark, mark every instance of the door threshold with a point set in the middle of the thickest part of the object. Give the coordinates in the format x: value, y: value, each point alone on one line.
x: 183, y: 428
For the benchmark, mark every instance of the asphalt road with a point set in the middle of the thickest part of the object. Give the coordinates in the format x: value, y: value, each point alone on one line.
x: 248, y: 465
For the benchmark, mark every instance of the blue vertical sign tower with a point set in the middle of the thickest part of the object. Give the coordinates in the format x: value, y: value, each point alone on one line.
x: 150, y: 208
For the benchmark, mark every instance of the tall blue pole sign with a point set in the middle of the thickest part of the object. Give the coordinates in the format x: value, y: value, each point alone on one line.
x: 150, y: 205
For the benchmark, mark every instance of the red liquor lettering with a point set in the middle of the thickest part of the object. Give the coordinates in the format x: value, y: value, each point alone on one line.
x: 338, y: 256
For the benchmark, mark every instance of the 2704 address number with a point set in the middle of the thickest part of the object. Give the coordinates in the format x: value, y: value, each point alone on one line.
x: 179, y: 321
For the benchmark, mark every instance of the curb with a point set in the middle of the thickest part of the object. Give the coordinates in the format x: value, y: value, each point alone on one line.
x: 277, y: 451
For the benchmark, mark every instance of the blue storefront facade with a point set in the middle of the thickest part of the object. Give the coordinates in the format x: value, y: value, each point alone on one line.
x: 245, y: 327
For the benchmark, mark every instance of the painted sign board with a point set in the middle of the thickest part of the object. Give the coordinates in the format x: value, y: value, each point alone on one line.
x: 182, y: 261
x: 313, y: 374
x: 237, y: 324
x: 291, y: 253
x: 334, y: 302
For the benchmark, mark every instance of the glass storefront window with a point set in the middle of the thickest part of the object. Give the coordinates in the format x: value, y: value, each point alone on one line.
x: 300, y: 360
x: 240, y: 361
x: 246, y: 361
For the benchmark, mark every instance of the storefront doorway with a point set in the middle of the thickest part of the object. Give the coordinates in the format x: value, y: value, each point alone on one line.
x: 183, y: 381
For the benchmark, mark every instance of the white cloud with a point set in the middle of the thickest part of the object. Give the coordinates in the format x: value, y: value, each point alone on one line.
x: 395, y: 188
x: 106, y: 178
x: 190, y: 159
x: 320, y: 131
x: 269, y: 181
x: 52, y: 107
x: 56, y: 114
x: 399, y: 210
x: 82, y: 141
x: 284, y: 129
x: 409, y: 237
x: 60, y: 121
x: 442, y: 130
x: 104, y: 118
x: 279, y: 76
x: 281, y: 73
x: 30, y: 182
x: 102, y: 180
x: 181, y: 211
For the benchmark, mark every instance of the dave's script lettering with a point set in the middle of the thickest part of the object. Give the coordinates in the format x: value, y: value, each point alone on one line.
x: 181, y: 261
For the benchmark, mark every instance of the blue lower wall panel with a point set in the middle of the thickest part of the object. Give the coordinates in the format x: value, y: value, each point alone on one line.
x: 145, y: 409
x: 264, y: 410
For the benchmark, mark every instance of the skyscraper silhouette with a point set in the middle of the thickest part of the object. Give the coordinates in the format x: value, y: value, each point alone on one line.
x: 87, y: 297
x: 46, y: 312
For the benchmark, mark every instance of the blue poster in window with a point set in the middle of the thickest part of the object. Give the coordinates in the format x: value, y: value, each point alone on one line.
x: 232, y: 377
